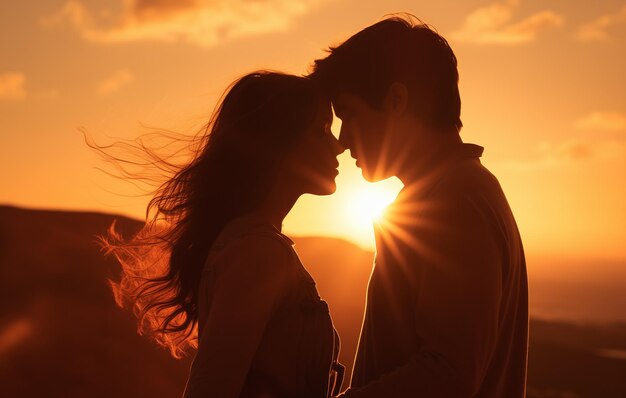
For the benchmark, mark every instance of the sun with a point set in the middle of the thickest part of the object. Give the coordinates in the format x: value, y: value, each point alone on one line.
x: 363, y: 203
x: 368, y: 203
x: 350, y: 213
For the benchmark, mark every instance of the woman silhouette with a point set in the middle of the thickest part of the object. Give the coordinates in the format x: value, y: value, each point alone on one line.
x: 211, y: 269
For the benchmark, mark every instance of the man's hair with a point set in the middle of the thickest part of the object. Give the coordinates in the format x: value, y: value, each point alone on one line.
x: 396, y: 49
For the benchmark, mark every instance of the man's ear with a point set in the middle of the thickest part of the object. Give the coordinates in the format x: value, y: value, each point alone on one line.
x: 397, y: 98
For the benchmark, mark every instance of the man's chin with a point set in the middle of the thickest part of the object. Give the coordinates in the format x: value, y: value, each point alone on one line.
x: 372, y: 177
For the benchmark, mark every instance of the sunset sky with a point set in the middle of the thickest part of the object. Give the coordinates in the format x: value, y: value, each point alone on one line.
x: 542, y: 85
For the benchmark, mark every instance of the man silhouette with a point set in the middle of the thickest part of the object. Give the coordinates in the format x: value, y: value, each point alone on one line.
x: 447, y: 301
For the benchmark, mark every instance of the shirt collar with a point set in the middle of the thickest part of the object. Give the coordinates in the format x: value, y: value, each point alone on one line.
x: 428, y: 175
x: 245, y: 225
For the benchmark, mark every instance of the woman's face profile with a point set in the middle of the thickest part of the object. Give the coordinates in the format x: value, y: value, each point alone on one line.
x: 312, y: 163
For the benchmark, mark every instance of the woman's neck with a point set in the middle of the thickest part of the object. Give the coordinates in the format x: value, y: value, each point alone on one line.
x: 275, y: 207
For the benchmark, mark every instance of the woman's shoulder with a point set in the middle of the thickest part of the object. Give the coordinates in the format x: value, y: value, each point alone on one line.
x: 257, y: 246
x: 251, y: 230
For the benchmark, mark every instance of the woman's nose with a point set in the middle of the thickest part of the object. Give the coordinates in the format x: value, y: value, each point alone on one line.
x: 344, y: 137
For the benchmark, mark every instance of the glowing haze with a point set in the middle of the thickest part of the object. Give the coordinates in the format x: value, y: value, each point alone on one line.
x: 542, y: 85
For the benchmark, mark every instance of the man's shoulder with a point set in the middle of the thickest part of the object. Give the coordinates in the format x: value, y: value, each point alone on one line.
x: 467, y: 178
x: 466, y: 190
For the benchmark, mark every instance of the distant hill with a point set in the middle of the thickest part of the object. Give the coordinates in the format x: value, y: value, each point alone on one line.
x: 61, y: 334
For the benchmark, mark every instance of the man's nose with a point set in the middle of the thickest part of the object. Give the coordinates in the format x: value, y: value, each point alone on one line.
x: 344, y: 137
x: 338, y: 148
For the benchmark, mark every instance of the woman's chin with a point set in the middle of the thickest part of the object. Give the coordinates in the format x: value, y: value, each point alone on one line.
x: 328, y: 188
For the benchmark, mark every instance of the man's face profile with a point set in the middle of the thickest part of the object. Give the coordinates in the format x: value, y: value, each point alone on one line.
x: 363, y: 129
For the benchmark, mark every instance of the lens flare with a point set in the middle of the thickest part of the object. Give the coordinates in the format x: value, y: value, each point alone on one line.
x: 368, y: 204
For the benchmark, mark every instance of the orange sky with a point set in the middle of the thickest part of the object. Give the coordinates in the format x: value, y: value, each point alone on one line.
x: 542, y: 85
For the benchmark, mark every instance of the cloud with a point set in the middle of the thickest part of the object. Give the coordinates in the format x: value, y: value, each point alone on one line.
x: 598, y: 29
x: 581, y: 148
x: 575, y: 150
x: 158, y: 9
x: 550, y: 155
x: 493, y: 24
x: 115, y: 82
x: 201, y: 22
x: 608, y: 121
x: 12, y: 86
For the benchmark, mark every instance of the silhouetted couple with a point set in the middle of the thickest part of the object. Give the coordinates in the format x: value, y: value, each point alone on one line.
x: 447, y: 312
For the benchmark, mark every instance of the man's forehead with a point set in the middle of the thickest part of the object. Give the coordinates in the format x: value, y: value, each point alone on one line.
x: 325, y: 111
x: 343, y: 97
x: 345, y: 100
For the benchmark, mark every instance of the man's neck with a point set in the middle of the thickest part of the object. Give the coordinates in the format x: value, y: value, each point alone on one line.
x: 429, y: 151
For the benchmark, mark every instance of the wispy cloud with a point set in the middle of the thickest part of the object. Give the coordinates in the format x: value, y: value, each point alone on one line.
x: 201, y: 22
x: 549, y: 155
x: 12, y: 86
x: 574, y: 150
x: 115, y: 82
x: 599, y: 138
x: 494, y: 24
x: 599, y: 120
x: 598, y: 29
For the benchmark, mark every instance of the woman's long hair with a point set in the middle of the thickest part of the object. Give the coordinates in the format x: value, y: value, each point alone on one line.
x: 231, y: 171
